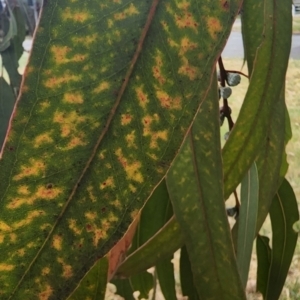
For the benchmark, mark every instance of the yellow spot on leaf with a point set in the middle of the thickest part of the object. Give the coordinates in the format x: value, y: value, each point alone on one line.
x: 117, y: 203
x: 109, y: 182
x: 156, y: 69
x: 73, y: 226
x: 125, y: 119
x: 67, y: 269
x: 168, y: 102
x: 101, y: 87
x: 42, y: 193
x: 68, y: 122
x: 56, y: 82
x: 6, y: 267
x: 134, y: 214
x: 45, y: 271
x: 141, y: 96
x: 29, y: 218
x: 90, y: 190
x: 186, y: 45
x: 91, y: 216
x: 130, y: 139
x: 75, y: 98
x: 132, y: 169
x: 132, y: 188
x: 188, y: 70
x: 57, y: 242
x: 4, y: 227
x: 75, y: 15
x: 154, y: 135
x: 45, y: 295
x: 86, y: 40
x: 214, y: 27
x: 43, y: 138
x: 35, y: 167
x: 185, y: 19
x: 21, y: 252
x: 44, y: 105
x: 13, y: 237
x: 129, y: 11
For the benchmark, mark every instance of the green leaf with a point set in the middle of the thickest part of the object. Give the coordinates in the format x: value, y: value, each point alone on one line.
x: 263, y: 252
x: 110, y: 91
x: 165, y: 275
x: 143, y: 283
x: 93, y: 285
x: 265, y: 86
x: 195, y: 184
x: 163, y: 244
x: 186, y: 276
x: 247, y: 221
x: 154, y: 215
x: 284, y: 213
x: 124, y: 288
x: 269, y: 159
x: 7, y: 102
x: 10, y: 62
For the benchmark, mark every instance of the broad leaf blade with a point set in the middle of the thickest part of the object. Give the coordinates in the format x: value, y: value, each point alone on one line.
x: 195, y: 184
x: 265, y: 85
x: 93, y: 285
x: 284, y: 213
x: 96, y: 129
x: 247, y: 221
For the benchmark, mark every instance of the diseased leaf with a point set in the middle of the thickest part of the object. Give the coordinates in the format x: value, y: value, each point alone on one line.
x: 273, y: 23
x: 284, y: 213
x: 247, y: 221
x: 195, y: 184
x: 93, y: 285
x: 110, y: 91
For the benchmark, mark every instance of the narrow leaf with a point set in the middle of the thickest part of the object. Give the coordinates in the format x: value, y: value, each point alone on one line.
x: 263, y: 252
x: 186, y: 276
x: 163, y: 244
x: 195, y: 184
x: 165, y: 275
x: 247, y: 221
x: 109, y: 93
x: 7, y: 101
x: 143, y: 283
x: 124, y: 288
x: 284, y: 213
x: 93, y: 285
x: 269, y: 159
x: 265, y: 85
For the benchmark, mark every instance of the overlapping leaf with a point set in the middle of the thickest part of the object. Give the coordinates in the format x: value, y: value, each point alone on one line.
x: 247, y: 221
x: 273, y: 25
x: 195, y: 184
x: 110, y: 91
